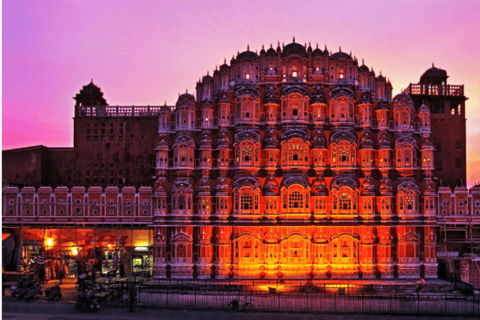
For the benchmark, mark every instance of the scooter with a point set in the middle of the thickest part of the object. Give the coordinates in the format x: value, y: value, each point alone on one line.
x: 33, y: 291
x: 54, y: 292
x: 86, y: 301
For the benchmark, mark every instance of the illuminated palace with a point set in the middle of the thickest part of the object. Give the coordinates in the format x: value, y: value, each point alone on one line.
x: 294, y: 163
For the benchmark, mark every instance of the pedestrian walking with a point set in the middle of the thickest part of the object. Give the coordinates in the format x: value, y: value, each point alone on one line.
x: 420, y: 284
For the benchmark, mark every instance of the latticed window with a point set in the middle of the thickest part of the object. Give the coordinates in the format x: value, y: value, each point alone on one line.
x: 246, y: 201
x: 295, y: 200
x: 181, y: 202
x: 247, y: 154
x: 409, y: 201
x: 345, y: 202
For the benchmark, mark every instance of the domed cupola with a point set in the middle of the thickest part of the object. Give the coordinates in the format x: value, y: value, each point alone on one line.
x: 162, y: 145
x: 271, y: 52
x: 384, y: 142
x: 317, y: 52
x: 247, y: 55
x: 223, y: 140
x: 386, y: 188
x: 205, y: 141
x: 318, y: 95
x: 185, y: 99
x: 271, y: 140
x: 427, y: 145
x: 424, y: 109
x: 271, y: 95
x: 368, y: 188
x: 341, y: 55
x: 270, y: 188
x: 319, y: 140
x: 204, y: 190
x: 222, y: 188
x: 402, y: 99
x: 366, y: 141
x: 294, y: 49
x: 90, y: 95
x: 363, y: 68
x: 429, y: 191
x: 224, y: 100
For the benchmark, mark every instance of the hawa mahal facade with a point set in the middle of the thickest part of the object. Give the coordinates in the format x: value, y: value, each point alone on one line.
x: 294, y: 163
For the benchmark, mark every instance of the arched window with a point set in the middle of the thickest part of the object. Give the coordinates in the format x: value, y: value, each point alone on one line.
x: 247, y: 72
x: 295, y: 200
x: 247, y: 109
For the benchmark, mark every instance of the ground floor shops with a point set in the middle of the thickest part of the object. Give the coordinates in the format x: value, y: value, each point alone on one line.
x: 72, y: 251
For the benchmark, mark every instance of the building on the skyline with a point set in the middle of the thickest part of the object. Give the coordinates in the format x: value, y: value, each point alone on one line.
x: 294, y: 163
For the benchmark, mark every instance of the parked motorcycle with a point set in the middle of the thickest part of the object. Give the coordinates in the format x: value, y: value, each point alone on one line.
x: 54, y: 292
x: 20, y: 288
x: 33, y: 291
x: 86, y: 301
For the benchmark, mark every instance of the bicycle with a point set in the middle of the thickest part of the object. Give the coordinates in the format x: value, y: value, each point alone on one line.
x: 124, y: 304
x: 234, y: 306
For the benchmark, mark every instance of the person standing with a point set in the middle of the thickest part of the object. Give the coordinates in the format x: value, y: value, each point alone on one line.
x: 41, y: 267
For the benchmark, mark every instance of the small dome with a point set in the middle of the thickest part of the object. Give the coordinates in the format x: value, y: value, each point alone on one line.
x: 271, y: 95
x: 271, y: 139
x: 222, y: 188
x: 365, y: 98
x: 271, y: 52
x: 318, y: 95
x: 162, y: 145
x: 384, y: 142
x: 206, y: 141
x: 429, y: 191
x: 434, y: 76
x: 247, y: 55
x: 207, y: 78
x: 402, y: 99
x: 223, y: 141
x: 366, y: 141
x: 185, y: 99
x: 224, y: 67
x: 381, y: 78
x: 427, y: 145
x: 368, y: 188
x: 424, y: 109
x: 319, y: 140
x: 317, y: 52
x: 294, y: 49
x: 363, y: 69
x: 386, y: 188
x: 160, y: 192
x: 204, y: 189
x: 224, y: 100
x: 341, y: 55
x: 207, y: 105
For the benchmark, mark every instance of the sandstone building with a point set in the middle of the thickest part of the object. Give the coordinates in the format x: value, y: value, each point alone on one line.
x: 292, y: 163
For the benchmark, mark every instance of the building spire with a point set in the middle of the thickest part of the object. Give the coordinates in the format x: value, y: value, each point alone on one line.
x: 248, y: 47
x: 293, y: 39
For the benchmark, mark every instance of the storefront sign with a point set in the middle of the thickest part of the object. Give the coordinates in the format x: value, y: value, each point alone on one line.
x: 141, y: 248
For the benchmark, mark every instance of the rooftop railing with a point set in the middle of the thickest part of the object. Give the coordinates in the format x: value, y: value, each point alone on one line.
x: 435, y: 90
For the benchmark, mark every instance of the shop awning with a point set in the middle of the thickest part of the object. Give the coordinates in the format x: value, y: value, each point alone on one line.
x: 103, y: 241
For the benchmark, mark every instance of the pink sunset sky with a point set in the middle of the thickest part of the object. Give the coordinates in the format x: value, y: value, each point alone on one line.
x: 146, y: 52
